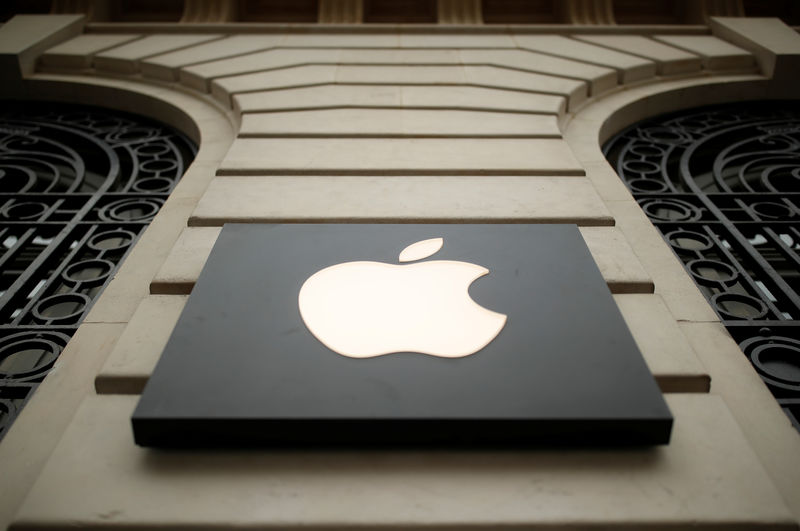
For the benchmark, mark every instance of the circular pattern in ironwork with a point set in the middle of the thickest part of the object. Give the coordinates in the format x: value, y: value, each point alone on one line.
x: 133, y: 209
x: 647, y: 185
x: 666, y: 135
x: 688, y: 241
x: 752, y: 147
x: 112, y: 240
x: 647, y: 150
x: 88, y: 273
x: 670, y: 210
x: 24, y: 211
x: 132, y: 135
x: 769, y: 210
x: 153, y: 184
x: 45, y: 148
x: 738, y: 306
x: 158, y: 166
x: 29, y: 355
x: 642, y: 167
x: 777, y: 360
x: 152, y: 149
x: 17, y: 180
x: 713, y: 273
x: 62, y: 308
x: 779, y: 178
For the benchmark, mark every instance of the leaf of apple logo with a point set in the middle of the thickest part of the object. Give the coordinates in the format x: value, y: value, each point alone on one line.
x: 366, y: 309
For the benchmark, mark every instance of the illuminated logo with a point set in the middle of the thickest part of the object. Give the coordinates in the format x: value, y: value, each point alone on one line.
x: 366, y: 309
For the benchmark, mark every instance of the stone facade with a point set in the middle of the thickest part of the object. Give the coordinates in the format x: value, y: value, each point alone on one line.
x: 386, y: 124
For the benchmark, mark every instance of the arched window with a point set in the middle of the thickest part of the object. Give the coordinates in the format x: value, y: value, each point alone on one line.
x: 722, y: 184
x: 78, y: 186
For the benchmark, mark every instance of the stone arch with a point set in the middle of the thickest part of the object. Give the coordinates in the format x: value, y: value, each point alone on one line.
x: 27, y: 330
x: 721, y: 194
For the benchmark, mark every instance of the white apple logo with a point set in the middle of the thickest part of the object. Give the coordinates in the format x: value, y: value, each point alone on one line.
x: 366, y: 309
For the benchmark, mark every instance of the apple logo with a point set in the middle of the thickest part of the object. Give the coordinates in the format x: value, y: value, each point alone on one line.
x: 366, y: 309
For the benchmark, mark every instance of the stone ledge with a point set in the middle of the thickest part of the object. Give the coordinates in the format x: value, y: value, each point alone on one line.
x: 629, y: 68
x: 125, y: 58
x: 381, y: 156
x: 332, y: 96
x: 613, y: 255
x: 79, y: 52
x: 775, y: 45
x: 24, y: 37
x: 669, y: 60
x: 716, y: 53
x: 303, y: 75
x: 397, y: 123
x: 706, y: 478
x: 166, y: 66
x: 664, y: 347
x: 421, y: 199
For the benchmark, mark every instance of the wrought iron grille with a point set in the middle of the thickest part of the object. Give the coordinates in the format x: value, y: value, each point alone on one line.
x: 78, y: 186
x: 722, y: 184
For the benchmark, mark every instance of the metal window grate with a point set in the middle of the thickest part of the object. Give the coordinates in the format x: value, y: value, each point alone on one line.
x: 722, y: 184
x: 78, y: 186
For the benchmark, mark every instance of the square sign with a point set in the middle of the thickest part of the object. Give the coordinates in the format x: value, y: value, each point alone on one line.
x: 393, y: 335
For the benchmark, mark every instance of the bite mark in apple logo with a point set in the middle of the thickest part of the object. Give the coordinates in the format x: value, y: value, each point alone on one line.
x: 366, y: 309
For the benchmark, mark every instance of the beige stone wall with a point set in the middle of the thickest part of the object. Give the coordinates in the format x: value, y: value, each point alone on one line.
x: 387, y: 125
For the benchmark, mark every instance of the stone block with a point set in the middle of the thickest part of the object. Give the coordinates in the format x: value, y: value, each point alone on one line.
x: 482, y: 98
x: 775, y: 45
x: 401, y: 74
x: 298, y: 76
x: 398, y: 123
x: 25, y: 37
x: 422, y: 199
x: 574, y: 90
x: 599, y: 78
x: 668, y: 353
x: 387, y: 96
x: 78, y: 52
x: 200, y: 74
x: 433, y: 75
x: 617, y: 262
x: 716, y: 53
x: 125, y: 58
x: 136, y: 353
x: 414, y: 156
x: 166, y: 66
x: 669, y: 60
x: 185, y: 261
x: 629, y: 68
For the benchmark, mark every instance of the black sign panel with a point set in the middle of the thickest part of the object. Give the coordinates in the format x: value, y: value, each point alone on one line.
x: 317, y: 334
